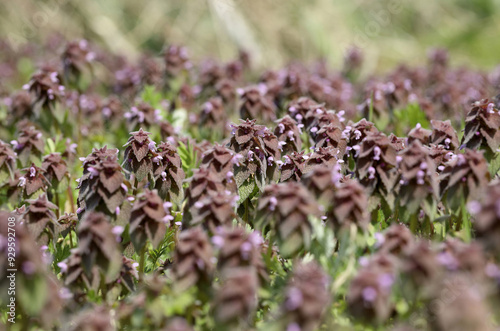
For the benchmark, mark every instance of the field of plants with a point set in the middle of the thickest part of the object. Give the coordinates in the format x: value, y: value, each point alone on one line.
x: 168, y: 193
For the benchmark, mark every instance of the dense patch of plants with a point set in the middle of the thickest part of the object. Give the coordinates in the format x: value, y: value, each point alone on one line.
x: 164, y: 194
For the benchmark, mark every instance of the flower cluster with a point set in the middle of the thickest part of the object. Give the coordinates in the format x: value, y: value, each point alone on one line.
x: 306, y: 297
x: 288, y: 133
x: 254, y: 104
x: 149, y: 219
x: 101, y: 186
x: 285, y: 209
x: 193, y: 260
x: 481, y: 127
x: 258, y: 150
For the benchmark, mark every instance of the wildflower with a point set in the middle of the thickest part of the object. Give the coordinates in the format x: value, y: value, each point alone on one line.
x: 168, y: 173
x: 397, y: 240
x: 288, y: 133
x: 238, y: 248
x: 33, y: 181
x: 213, y: 114
x: 237, y: 297
x: 29, y: 144
x: 255, y: 105
x: 481, y: 127
x: 76, y: 59
x: 193, y: 259
x: 367, y: 299
x: 98, y: 246
x: 443, y: 133
x: 349, y: 205
x: 176, y: 60
x: 466, y: 175
x: 41, y: 219
x: 306, y: 296
x: 44, y: 88
x: 290, y: 221
x: 255, y: 143
x: 294, y: 166
x: 101, y: 184
x: 146, y: 220
x: 55, y: 168
x: 418, y: 171
x: 331, y: 135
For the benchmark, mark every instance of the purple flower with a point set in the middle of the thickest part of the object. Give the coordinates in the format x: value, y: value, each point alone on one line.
x: 371, y: 172
x: 386, y: 281
x: 28, y: 267
x: 293, y: 327
x: 273, y: 202
x: 281, y: 127
x: 447, y: 260
x: 65, y: 293
x: 236, y: 159
x: 376, y: 153
x: 294, y: 299
x: 218, y: 241
x: 117, y: 230
x: 369, y: 294
x: 22, y: 181
x: 474, y: 207
x: 168, y: 218
x: 63, y: 266
x: 379, y: 239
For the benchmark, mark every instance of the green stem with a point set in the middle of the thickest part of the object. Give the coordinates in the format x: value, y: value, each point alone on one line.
x: 414, y: 223
x: 142, y: 262
x: 465, y: 222
x: 58, y: 204
x: 136, y: 184
x: 246, y: 211
x: 70, y: 197
x: 79, y: 131
x: 103, y: 287
x: 71, y: 242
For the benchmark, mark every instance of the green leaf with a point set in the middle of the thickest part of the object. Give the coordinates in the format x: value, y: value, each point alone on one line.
x: 180, y: 303
x: 188, y: 158
x: 246, y: 189
x: 152, y: 96
x: 494, y: 165
x: 32, y: 293
x: 179, y: 117
x: 51, y: 145
x: 408, y: 118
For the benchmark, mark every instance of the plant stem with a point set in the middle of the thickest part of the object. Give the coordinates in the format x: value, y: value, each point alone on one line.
x: 136, y: 184
x: 79, y: 131
x: 70, y: 197
x: 58, y: 210
x: 71, y: 243
x: 414, y: 223
x: 465, y: 222
x: 246, y: 211
x: 142, y: 261
x: 103, y: 287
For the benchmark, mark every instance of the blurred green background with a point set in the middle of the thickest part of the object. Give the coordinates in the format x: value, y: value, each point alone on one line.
x: 274, y: 31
